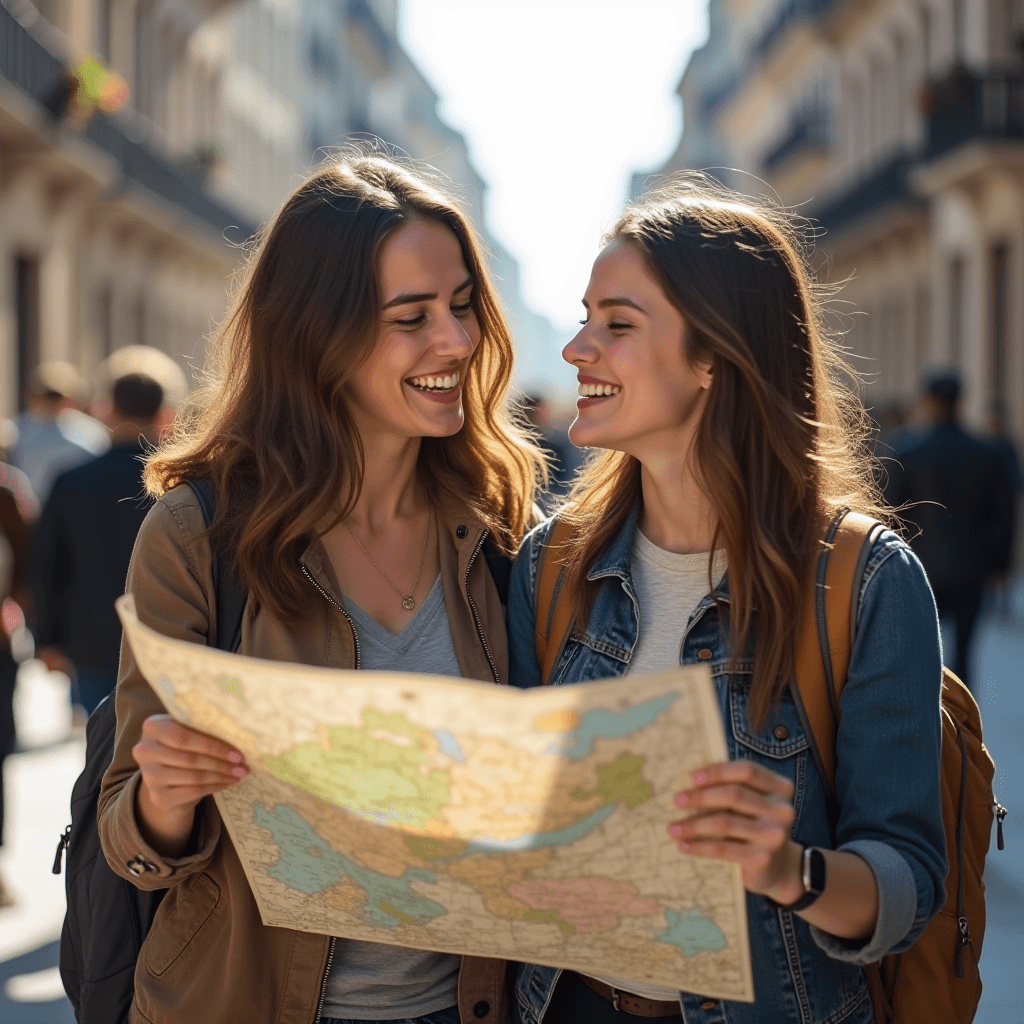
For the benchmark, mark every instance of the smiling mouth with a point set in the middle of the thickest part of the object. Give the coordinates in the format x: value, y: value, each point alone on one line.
x: 436, y: 384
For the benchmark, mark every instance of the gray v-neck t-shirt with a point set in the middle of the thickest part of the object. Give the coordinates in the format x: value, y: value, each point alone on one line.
x: 372, y: 980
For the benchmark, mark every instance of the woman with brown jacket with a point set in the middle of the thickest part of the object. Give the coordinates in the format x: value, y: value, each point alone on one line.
x: 359, y: 444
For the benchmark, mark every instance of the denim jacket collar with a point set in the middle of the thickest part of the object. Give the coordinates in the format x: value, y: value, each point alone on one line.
x: 615, y: 560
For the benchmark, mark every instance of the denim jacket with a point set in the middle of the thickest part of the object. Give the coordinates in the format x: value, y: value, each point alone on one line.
x: 887, y: 777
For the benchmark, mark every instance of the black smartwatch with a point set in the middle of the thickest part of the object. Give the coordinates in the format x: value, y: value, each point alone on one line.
x: 813, y: 876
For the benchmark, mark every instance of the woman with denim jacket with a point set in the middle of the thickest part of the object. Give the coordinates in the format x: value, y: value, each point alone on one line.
x: 728, y: 443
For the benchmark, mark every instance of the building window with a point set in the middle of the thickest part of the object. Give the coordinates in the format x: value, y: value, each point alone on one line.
x: 1000, y: 266
x: 959, y: 30
x: 105, y: 320
x: 139, y: 321
x: 956, y: 311
x: 922, y: 331
x: 104, y: 30
x: 26, y: 313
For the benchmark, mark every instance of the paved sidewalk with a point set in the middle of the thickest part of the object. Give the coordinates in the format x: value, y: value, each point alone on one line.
x: 999, y: 659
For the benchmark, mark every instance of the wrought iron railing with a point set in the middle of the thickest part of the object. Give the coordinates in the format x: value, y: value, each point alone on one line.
x: 26, y: 63
x: 965, y: 106
x: 809, y: 132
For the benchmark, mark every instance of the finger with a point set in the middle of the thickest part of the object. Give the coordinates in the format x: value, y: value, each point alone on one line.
x: 743, y: 771
x: 171, y: 777
x: 746, y: 856
x: 727, y: 825
x: 163, y: 729
x: 149, y: 752
x: 739, y: 797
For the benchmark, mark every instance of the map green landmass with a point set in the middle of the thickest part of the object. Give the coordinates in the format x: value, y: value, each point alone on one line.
x: 373, y: 771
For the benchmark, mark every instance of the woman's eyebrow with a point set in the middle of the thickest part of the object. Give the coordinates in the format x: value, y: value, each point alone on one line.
x: 620, y: 301
x: 401, y: 300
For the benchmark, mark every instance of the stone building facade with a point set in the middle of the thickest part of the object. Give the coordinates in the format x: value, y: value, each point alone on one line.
x: 899, y: 126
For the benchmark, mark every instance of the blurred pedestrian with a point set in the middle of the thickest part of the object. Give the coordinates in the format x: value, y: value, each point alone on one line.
x: 53, y: 433
x: 1004, y: 444
x: 17, y: 511
x: 957, y: 497
x: 563, y: 455
x: 84, y: 543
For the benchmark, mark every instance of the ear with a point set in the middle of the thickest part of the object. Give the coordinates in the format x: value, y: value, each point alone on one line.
x: 704, y: 370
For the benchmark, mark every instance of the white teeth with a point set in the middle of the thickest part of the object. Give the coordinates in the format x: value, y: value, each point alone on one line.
x: 436, y: 381
x: 597, y: 390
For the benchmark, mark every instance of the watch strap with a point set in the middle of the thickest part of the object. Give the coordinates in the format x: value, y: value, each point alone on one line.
x: 813, y: 878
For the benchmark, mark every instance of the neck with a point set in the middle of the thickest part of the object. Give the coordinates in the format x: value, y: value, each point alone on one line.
x: 391, y: 488
x: 676, y: 513
x: 122, y: 433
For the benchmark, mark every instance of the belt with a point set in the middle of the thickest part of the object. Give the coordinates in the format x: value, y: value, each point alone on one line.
x: 629, y: 1003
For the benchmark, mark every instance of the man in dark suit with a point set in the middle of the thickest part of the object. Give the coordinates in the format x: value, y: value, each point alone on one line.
x: 959, y: 500
x: 83, y: 544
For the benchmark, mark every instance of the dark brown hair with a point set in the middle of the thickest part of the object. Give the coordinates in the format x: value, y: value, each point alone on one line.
x: 782, y: 442
x: 272, y: 431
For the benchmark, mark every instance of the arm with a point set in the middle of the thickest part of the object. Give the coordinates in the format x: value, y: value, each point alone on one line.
x: 50, y: 572
x: 524, y: 671
x: 885, y: 880
x: 137, y: 814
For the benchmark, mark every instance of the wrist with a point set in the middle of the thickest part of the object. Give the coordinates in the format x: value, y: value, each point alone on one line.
x: 790, y: 886
x: 166, y: 831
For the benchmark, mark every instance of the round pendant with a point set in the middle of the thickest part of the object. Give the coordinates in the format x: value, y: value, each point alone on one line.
x: 408, y: 603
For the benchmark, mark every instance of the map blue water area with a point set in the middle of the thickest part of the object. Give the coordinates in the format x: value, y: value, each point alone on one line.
x: 310, y: 864
x: 537, y: 840
x: 604, y: 724
x: 692, y: 932
x: 449, y: 745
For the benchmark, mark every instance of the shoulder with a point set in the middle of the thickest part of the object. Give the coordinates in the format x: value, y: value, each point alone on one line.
x: 893, y: 572
x: 175, y: 522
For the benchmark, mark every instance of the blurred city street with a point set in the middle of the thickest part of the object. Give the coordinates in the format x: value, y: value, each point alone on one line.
x: 39, y: 788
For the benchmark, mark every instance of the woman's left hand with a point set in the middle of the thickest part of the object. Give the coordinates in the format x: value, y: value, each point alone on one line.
x: 743, y: 813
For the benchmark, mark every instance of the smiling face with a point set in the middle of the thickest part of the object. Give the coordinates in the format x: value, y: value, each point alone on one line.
x: 411, y: 385
x: 638, y: 391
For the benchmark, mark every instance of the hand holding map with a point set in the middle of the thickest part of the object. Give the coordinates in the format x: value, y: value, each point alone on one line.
x: 457, y: 816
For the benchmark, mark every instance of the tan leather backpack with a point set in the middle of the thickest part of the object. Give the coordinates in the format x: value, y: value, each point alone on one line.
x: 937, y: 980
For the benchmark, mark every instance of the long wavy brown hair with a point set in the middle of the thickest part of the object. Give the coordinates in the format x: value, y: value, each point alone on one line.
x: 783, y: 440
x: 271, y: 429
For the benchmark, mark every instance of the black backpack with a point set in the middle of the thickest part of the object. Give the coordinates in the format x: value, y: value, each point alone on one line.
x: 107, y: 917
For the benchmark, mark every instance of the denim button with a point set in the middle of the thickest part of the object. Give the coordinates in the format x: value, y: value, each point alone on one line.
x: 708, y: 1004
x: 781, y: 732
x: 482, y: 1008
x: 461, y: 532
x: 704, y: 654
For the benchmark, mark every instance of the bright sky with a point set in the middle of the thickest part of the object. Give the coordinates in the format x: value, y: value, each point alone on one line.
x: 560, y: 102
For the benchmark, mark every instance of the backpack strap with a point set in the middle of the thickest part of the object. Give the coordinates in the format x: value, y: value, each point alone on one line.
x: 825, y: 640
x: 229, y: 592
x: 553, y: 613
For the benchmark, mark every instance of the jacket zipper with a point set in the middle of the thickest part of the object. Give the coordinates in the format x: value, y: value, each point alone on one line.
x: 962, y: 923
x: 323, y: 984
x: 472, y: 607
x: 355, y: 635
x: 327, y: 597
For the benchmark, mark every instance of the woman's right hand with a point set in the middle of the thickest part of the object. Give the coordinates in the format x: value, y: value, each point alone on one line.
x: 179, y: 767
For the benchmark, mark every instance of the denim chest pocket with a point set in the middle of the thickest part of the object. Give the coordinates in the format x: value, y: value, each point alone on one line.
x: 782, y: 734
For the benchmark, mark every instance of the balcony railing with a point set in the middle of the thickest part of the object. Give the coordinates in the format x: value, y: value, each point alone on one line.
x: 887, y: 187
x: 27, y: 64
x: 964, y: 106
x: 809, y: 132
x: 789, y: 14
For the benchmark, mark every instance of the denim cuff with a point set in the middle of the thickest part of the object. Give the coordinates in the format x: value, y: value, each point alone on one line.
x: 897, y: 905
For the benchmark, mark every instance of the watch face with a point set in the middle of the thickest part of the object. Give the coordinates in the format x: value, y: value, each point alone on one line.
x: 815, y: 880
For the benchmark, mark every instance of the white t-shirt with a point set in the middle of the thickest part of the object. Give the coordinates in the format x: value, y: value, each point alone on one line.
x: 668, y: 587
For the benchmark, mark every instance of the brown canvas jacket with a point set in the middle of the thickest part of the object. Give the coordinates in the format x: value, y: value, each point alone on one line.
x: 208, y: 957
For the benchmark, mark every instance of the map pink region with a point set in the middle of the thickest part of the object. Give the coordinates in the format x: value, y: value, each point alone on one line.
x: 589, y: 904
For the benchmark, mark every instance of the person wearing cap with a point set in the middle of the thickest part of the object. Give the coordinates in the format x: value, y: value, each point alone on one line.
x: 53, y: 434
x: 84, y: 541
x: 952, y: 490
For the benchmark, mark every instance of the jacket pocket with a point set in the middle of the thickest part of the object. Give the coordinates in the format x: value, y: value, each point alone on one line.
x: 179, y: 921
x: 782, y: 734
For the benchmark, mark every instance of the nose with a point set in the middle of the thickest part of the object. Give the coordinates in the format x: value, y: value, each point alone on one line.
x: 452, y: 341
x: 581, y: 350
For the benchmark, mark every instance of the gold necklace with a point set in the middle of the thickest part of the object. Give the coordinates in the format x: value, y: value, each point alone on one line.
x: 408, y: 602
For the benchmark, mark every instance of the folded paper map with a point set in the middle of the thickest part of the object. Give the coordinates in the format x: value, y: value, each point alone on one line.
x: 458, y: 816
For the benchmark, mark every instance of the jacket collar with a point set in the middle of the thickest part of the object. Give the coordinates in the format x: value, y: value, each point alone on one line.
x: 616, y: 558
